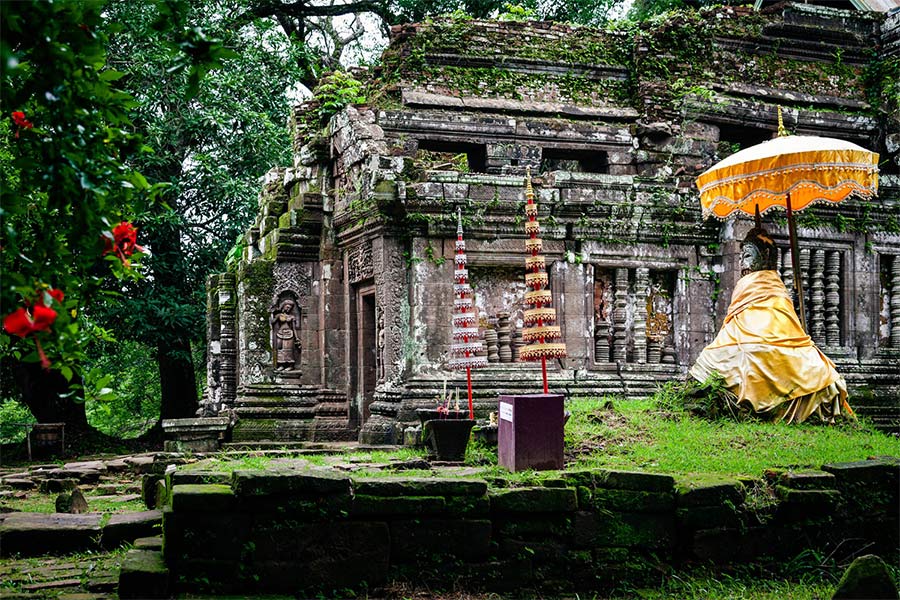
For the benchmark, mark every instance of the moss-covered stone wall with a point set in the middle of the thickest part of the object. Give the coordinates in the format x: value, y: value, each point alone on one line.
x: 320, y: 531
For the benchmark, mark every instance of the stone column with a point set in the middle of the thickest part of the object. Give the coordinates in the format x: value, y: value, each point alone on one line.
x: 642, y: 281
x: 833, y: 299
x: 817, y: 297
x: 490, y: 340
x: 221, y: 363
x: 895, y: 301
x: 503, y: 337
x: 620, y: 350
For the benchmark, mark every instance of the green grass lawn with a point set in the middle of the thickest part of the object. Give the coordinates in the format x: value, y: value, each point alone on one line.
x: 635, y: 434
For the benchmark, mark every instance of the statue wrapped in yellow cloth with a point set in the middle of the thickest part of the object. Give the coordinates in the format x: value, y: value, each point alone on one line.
x: 762, y: 352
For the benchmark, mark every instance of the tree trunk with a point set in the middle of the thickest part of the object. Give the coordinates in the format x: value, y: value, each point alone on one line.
x: 176, y: 378
x: 48, y: 396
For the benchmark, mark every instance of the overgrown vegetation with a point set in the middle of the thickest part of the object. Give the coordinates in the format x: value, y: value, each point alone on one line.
x: 654, y: 435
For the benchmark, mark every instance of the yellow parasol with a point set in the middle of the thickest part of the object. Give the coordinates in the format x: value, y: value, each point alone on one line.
x: 789, y: 172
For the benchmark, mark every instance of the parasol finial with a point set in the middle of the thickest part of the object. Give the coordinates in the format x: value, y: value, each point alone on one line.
x: 781, y: 130
x: 458, y: 221
x: 529, y: 191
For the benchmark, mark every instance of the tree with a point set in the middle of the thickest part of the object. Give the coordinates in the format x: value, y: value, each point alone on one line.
x: 64, y: 146
x: 213, y: 137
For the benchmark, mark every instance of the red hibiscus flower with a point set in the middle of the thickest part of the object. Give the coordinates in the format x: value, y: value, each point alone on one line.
x: 21, y: 122
x: 122, y: 241
x: 39, y: 317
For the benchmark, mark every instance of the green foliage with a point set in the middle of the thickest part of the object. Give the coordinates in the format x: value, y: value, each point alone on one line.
x: 68, y: 172
x: 125, y: 402
x: 13, y: 413
x: 335, y: 91
x: 517, y: 12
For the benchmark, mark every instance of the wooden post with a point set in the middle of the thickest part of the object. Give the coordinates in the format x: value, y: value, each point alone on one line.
x: 795, y: 259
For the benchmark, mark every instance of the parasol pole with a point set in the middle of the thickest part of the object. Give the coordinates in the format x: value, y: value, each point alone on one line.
x: 795, y: 260
x: 469, y: 385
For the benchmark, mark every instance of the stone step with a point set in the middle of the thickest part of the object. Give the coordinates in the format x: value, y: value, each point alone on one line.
x: 35, y: 534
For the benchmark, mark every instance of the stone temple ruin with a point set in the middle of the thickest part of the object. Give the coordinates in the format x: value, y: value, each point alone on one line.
x: 335, y: 323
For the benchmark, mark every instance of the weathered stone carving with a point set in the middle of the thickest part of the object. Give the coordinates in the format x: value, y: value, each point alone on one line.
x: 895, y: 301
x: 833, y: 299
x: 620, y: 348
x: 817, y: 297
x: 359, y: 262
x: 285, y: 322
x: 641, y: 284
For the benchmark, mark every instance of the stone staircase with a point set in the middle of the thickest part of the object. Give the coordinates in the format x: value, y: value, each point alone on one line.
x: 290, y: 412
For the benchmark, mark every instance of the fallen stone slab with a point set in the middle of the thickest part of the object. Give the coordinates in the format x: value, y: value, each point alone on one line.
x: 33, y: 534
x: 18, y: 483
x: 49, y: 585
x: 96, y: 465
x: 149, y: 543
x: 127, y: 527
x: 117, y: 465
x: 866, y: 577
x: 55, y: 486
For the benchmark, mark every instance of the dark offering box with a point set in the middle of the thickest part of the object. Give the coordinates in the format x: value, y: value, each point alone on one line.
x: 531, y: 432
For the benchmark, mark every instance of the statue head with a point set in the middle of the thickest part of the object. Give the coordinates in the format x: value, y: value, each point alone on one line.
x: 286, y: 306
x: 758, y: 252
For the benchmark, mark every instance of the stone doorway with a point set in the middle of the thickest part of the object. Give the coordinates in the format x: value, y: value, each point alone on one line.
x: 366, y: 344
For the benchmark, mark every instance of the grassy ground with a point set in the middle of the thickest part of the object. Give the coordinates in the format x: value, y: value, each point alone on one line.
x: 635, y: 434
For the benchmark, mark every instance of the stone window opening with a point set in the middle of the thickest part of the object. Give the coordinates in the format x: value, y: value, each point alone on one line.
x: 449, y: 154
x: 633, y: 315
x: 733, y: 138
x: 574, y: 160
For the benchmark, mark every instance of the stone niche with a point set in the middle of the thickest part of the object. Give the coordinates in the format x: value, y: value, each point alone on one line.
x: 359, y: 229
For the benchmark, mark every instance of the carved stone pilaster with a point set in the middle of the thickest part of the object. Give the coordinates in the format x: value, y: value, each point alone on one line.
x: 895, y: 302
x: 817, y: 297
x: 620, y: 349
x: 833, y: 298
x: 642, y: 282
x: 221, y: 365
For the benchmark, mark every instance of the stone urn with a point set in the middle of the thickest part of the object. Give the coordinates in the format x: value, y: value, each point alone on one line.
x: 445, y: 436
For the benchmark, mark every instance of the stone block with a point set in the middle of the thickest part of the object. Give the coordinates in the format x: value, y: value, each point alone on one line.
x: 802, y: 505
x: 149, y: 543
x: 33, y: 534
x: 534, y: 500
x: 143, y: 574
x: 421, y: 540
x: 55, y: 486
x: 149, y: 491
x: 125, y: 528
x: 622, y: 480
x: 499, y: 576
x: 866, y: 577
x: 633, y: 530
x: 807, y: 480
x: 707, y: 517
x: 712, y: 492
x: 203, y: 536
x: 261, y: 483
x: 324, y: 557
x: 865, y: 471
x: 210, y: 497
x: 420, y: 486
x: 388, y: 506
x: 468, y: 506
x: 632, y: 501
x: 536, y: 527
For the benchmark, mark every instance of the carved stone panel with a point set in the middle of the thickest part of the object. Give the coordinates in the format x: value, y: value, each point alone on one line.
x: 359, y: 262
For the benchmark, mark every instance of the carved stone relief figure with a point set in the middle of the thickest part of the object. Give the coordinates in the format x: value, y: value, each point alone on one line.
x: 285, y: 322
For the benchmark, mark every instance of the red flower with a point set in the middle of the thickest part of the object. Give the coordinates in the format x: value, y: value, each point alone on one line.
x: 21, y: 122
x: 122, y: 241
x: 39, y: 317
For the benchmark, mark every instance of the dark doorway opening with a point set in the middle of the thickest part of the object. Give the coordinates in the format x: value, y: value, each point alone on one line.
x: 476, y: 154
x: 366, y: 348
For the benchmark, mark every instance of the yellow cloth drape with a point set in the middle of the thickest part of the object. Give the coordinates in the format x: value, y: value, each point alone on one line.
x: 765, y: 357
